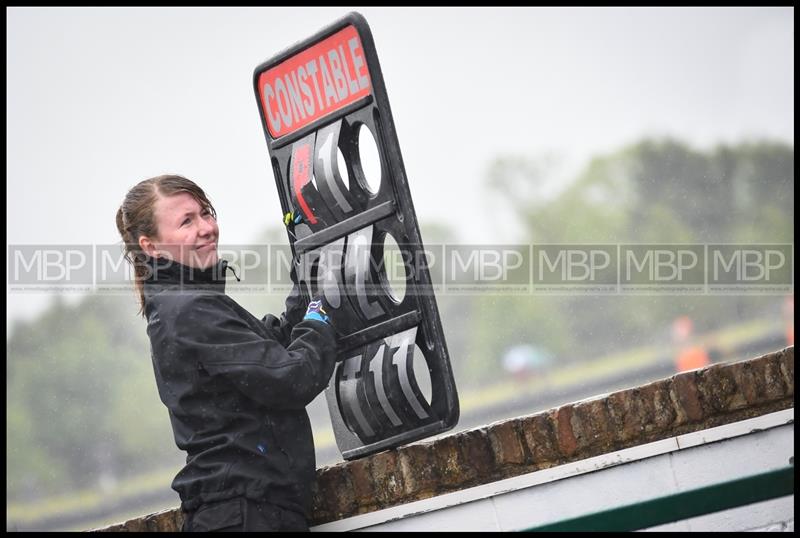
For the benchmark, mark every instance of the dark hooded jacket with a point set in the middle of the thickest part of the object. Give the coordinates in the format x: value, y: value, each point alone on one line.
x: 236, y: 387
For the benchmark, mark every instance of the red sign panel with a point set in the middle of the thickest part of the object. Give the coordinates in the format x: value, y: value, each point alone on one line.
x: 318, y: 81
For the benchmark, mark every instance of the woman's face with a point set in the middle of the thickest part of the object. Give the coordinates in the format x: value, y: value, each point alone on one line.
x: 187, y: 233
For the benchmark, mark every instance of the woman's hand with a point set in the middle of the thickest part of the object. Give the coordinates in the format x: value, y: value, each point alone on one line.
x: 316, y: 311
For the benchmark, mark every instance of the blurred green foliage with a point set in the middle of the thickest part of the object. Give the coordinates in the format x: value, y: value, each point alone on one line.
x: 654, y: 191
x: 82, y: 402
x: 82, y: 405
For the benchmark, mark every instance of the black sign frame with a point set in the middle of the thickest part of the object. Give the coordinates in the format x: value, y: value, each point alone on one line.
x: 374, y: 398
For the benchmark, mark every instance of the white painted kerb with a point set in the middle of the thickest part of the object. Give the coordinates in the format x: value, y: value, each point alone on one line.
x: 588, y: 465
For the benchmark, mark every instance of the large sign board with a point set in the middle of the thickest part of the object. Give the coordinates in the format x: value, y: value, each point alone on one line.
x: 321, y: 102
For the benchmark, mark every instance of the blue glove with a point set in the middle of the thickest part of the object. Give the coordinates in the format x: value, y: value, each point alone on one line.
x: 317, y: 312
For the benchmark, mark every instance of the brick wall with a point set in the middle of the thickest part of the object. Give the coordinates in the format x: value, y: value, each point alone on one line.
x: 685, y: 402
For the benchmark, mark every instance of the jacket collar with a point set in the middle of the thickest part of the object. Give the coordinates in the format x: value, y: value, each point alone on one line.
x: 163, y: 273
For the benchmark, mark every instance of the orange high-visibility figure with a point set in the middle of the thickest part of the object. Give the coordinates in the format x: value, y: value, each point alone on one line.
x: 788, y: 316
x: 690, y: 358
x: 689, y: 355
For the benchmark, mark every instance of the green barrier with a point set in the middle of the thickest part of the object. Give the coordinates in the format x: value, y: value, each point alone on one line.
x: 680, y: 506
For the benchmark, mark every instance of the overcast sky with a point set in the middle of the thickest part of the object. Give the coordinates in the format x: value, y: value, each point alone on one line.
x: 101, y: 98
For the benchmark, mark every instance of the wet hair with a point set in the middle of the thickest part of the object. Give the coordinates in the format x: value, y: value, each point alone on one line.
x: 136, y: 217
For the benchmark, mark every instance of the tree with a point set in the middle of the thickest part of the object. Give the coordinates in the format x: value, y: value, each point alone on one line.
x: 75, y: 416
x: 654, y: 191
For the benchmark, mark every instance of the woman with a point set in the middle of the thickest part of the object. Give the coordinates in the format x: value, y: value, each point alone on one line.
x: 236, y: 387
